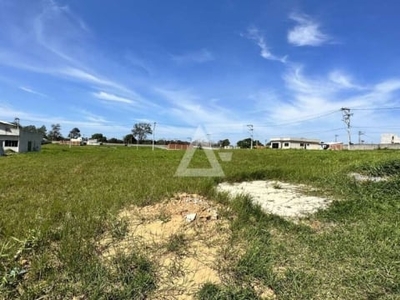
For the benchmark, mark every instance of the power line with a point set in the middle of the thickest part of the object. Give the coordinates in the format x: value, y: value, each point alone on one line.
x: 346, y: 119
x: 309, y: 118
x: 317, y: 131
x: 378, y: 108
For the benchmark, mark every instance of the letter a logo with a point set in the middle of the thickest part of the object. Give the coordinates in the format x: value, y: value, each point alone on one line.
x: 184, y: 171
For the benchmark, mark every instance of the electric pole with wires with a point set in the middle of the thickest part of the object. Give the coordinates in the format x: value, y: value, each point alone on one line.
x: 251, y: 129
x: 360, y: 133
x: 346, y: 119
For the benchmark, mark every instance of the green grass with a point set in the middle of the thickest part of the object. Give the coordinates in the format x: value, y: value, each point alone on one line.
x: 55, y: 205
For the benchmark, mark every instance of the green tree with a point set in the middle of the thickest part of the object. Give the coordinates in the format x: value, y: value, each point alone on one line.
x: 74, y: 133
x: 141, y: 130
x: 224, y: 143
x: 55, y: 132
x: 115, y: 141
x: 99, y: 137
x: 34, y: 129
x: 245, y: 143
x: 43, y: 131
x: 30, y: 128
x: 129, y: 139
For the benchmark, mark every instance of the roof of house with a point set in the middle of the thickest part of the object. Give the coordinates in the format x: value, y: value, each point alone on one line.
x: 6, y: 123
x: 295, y: 139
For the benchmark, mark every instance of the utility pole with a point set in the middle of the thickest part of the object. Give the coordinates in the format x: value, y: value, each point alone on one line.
x: 154, y: 134
x: 336, y: 136
x: 360, y: 133
x: 251, y: 130
x: 16, y: 121
x: 209, y: 140
x: 346, y: 119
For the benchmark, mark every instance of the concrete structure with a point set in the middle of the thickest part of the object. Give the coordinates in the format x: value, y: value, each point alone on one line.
x: 93, y: 142
x: 17, y: 139
x: 295, y: 143
x: 178, y: 146
x: 390, y: 138
x: 374, y: 147
x: 332, y: 146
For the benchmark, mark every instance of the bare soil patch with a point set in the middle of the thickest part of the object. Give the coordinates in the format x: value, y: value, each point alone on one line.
x: 280, y: 198
x: 183, y: 236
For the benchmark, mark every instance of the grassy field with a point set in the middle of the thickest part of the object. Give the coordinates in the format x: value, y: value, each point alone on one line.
x: 54, y: 206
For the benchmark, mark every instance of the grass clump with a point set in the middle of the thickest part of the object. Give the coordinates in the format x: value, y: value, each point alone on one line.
x: 133, y: 277
x: 176, y: 243
x: 210, y: 291
x: 382, y: 168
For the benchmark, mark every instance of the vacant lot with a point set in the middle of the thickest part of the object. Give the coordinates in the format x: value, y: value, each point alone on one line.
x: 58, y: 207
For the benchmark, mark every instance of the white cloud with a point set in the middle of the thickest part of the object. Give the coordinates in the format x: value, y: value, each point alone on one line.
x: 255, y: 35
x: 322, y: 95
x: 343, y: 80
x: 91, y: 116
x: 188, y: 108
x: 29, y: 90
x: 306, y: 33
x: 54, y: 19
x: 388, y: 86
x: 85, y: 76
x: 92, y: 125
x: 111, y: 97
x: 201, y: 56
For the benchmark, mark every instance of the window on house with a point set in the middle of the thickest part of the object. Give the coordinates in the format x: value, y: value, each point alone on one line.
x: 301, y: 144
x: 308, y: 144
x: 10, y: 143
x: 286, y: 145
x: 275, y: 145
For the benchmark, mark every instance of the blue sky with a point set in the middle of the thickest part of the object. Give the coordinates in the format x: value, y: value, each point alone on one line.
x: 286, y: 67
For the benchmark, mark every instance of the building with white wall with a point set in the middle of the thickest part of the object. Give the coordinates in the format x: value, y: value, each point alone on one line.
x: 93, y: 142
x: 15, y: 138
x: 390, y: 138
x: 295, y: 143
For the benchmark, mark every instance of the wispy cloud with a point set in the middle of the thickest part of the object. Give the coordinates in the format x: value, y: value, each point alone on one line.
x: 200, y: 56
x: 29, y: 90
x: 254, y: 34
x: 307, y: 32
x: 92, y: 124
x: 193, y: 110
x: 82, y: 75
x: 111, y: 97
x: 91, y: 116
x: 343, y: 80
x: 321, y: 94
x: 54, y: 19
x: 37, y: 46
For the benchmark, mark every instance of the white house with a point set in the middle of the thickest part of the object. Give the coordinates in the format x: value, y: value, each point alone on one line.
x: 295, y: 143
x: 15, y: 138
x: 390, y: 138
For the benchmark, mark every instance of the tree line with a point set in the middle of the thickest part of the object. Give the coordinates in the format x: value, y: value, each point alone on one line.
x: 138, y: 135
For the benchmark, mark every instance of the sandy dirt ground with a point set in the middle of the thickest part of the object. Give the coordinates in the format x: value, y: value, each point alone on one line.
x: 280, y: 198
x: 184, y: 237
x: 188, y: 237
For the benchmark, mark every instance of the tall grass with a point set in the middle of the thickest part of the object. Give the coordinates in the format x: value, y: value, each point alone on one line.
x: 54, y: 206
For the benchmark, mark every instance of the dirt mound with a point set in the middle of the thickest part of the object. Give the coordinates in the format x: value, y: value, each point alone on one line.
x: 183, y: 236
